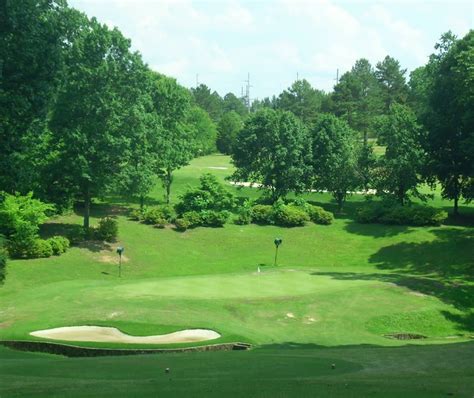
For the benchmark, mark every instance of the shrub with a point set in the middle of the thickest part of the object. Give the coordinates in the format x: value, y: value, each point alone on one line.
x: 17, y: 210
x: 211, y: 195
x: 244, y: 213
x: 182, y: 224
x: 387, y: 212
x: 39, y: 249
x: 262, y: 214
x: 59, y: 244
x: 3, y: 263
x: 136, y: 214
x: 319, y: 216
x: 193, y: 218
x: 211, y: 218
x: 159, y: 215
x: 107, y: 229
x: 290, y: 216
x: 22, y: 240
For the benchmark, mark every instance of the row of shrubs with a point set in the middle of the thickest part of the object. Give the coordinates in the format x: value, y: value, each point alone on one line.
x: 294, y: 214
x: 388, y: 212
x: 38, y: 247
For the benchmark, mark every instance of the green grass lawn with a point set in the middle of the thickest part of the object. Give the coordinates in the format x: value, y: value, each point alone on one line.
x: 337, y: 290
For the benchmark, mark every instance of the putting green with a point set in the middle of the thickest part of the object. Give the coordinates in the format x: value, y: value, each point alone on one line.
x: 275, y: 306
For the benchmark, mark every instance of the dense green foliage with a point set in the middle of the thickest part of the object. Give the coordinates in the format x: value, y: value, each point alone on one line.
x: 388, y: 212
x: 107, y: 229
x: 272, y: 150
x: 335, y: 152
x: 399, y: 170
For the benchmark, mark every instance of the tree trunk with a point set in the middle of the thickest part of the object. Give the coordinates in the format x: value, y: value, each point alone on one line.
x: 87, y: 207
x: 456, y: 205
x: 168, y: 181
x: 142, y: 202
x: 340, y: 201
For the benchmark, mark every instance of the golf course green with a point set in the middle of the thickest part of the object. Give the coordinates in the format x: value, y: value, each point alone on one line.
x: 337, y: 296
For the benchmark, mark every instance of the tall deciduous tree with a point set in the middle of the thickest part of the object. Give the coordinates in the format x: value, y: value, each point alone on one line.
x: 89, y: 130
x: 204, y: 131
x: 449, y: 116
x: 228, y: 129
x: 272, y: 150
x: 335, y: 150
x: 172, y: 103
x: 32, y: 34
x: 400, y: 169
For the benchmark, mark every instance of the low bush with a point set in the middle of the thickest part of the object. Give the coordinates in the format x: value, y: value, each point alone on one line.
x: 136, y: 214
x: 193, y: 218
x: 319, y: 216
x: 211, y: 195
x: 211, y: 218
x: 244, y: 213
x: 262, y: 214
x: 107, y: 229
x: 385, y: 212
x: 182, y: 224
x: 41, y: 248
x: 289, y: 216
x: 159, y: 215
x: 59, y: 244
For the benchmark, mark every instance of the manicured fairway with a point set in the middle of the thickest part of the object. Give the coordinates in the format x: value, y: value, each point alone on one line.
x: 337, y: 290
x: 273, y: 371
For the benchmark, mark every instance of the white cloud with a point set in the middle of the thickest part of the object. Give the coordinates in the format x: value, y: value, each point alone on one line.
x: 273, y: 40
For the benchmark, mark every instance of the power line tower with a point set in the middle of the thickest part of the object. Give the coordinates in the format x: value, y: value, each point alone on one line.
x: 247, y: 92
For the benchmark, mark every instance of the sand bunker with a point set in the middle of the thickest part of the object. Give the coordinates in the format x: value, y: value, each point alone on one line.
x: 102, y: 334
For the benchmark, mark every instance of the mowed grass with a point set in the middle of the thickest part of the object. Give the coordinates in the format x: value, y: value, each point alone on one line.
x: 343, y: 286
x: 272, y: 371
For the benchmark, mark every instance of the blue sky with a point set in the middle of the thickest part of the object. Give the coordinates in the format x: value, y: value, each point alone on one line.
x: 222, y: 41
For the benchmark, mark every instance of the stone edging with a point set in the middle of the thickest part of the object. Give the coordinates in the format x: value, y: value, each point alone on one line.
x: 77, y: 351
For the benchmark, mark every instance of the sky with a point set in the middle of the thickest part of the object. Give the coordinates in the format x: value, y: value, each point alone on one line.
x: 219, y: 43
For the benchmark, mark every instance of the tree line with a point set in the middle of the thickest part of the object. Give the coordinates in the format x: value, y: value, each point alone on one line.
x: 82, y: 116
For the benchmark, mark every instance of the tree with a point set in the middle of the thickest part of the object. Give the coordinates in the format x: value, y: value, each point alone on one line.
x: 212, y: 103
x: 32, y: 34
x: 272, y: 149
x: 335, y: 157
x: 228, y: 129
x: 88, y: 123
x: 204, y: 131
x: 232, y: 103
x: 177, y: 144
x: 449, y: 117
x: 400, y: 168
x: 393, y: 86
x: 301, y: 99
x: 356, y: 97
x: 138, y: 173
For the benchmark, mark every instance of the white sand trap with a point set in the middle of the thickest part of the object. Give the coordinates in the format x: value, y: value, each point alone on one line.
x: 217, y: 168
x: 102, y: 334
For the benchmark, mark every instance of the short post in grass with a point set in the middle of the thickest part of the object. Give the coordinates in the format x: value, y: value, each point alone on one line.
x: 277, y: 242
x: 120, y: 250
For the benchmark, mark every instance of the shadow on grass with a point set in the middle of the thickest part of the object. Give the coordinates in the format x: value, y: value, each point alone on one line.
x: 376, y: 230
x: 443, y: 268
x: 99, y: 210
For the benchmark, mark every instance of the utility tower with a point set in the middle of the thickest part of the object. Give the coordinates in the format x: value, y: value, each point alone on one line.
x: 247, y: 92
